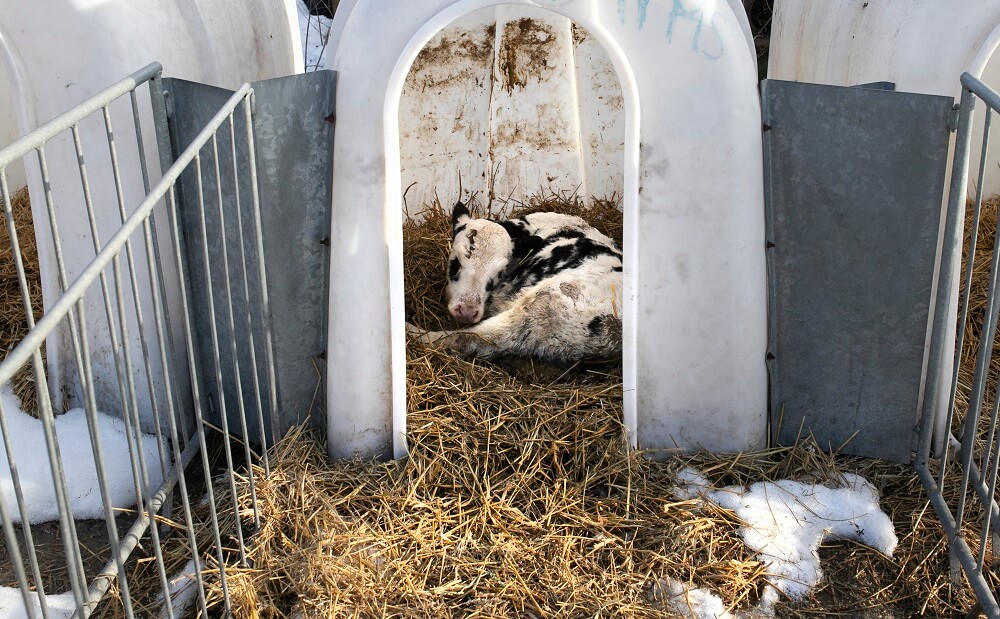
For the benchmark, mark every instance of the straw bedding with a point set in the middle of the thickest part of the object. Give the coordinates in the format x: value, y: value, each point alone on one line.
x: 521, y: 499
x: 13, y: 326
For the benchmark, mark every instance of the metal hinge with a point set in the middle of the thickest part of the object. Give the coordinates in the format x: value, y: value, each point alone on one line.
x: 168, y: 103
x: 953, y: 118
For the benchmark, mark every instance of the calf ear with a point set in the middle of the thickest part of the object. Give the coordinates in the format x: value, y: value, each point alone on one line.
x: 459, y: 215
x: 525, y: 245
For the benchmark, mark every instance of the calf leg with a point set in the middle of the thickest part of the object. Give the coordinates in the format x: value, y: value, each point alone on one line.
x: 544, y: 323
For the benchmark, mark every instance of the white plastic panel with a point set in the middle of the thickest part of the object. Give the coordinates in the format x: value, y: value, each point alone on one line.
x: 695, y: 307
x: 8, y: 129
x: 55, y: 55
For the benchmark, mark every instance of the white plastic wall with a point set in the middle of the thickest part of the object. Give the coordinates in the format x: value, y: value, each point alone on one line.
x: 921, y: 45
x: 56, y: 54
x: 695, y: 308
x: 475, y: 109
x: 8, y: 129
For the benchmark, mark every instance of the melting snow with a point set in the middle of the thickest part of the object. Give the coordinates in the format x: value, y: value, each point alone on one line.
x: 31, y: 457
x: 691, y: 602
x: 12, y: 604
x: 183, y: 590
x: 786, y: 521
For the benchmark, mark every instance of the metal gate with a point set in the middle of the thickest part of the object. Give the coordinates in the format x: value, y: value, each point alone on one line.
x: 971, y: 445
x: 207, y: 346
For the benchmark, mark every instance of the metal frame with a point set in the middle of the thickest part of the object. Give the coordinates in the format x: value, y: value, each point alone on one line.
x: 138, y: 233
x: 979, y: 475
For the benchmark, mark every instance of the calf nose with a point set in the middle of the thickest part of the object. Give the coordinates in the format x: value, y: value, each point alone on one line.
x: 464, y: 313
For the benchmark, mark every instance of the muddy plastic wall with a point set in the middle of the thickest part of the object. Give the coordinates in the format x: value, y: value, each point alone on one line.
x: 683, y: 144
x: 54, y: 55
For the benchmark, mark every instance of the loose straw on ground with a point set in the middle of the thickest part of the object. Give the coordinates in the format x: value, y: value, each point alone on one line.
x: 521, y: 498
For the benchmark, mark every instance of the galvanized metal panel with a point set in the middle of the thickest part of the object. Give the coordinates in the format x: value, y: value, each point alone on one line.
x: 293, y: 139
x: 293, y: 126
x: 854, y: 182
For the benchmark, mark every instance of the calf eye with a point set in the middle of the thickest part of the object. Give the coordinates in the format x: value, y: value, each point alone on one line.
x: 489, y: 286
x: 453, y: 268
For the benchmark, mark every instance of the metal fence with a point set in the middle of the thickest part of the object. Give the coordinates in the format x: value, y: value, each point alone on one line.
x: 970, y: 514
x: 146, y: 256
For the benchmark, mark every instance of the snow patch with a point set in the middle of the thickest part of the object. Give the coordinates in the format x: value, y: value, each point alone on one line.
x: 314, y: 31
x: 690, y: 602
x: 31, y: 457
x: 183, y: 589
x: 786, y: 521
x: 12, y: 604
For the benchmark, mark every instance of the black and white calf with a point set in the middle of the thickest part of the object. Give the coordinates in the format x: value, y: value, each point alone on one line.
x: 545, y: 285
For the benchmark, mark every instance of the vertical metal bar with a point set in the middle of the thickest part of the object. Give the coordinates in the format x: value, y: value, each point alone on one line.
x: 261, y: 267
x: 983, y: 357
x: 68, y: 527
x: 29, y: 541
x: 90, y: 407
x: 991, y: 475
x: 232, y: 321
x: 156, y: 287
x: 216, y: 356
x: 130, y: 260
x: 137, y: 124
x: 249, y: 320
x: 123, y: 372
x: 963, y: 316
x: 173, y: 215
x: 15, y: 477
x: 168, y: 503
x: 160, y: 125
x: 950, y: 254
x: 985, y: 352
x: 983, y: 463
x: 14, y: 552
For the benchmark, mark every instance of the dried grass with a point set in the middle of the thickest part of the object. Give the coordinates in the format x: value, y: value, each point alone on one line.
x: 979, y: 290
x: 13, y: 326
x: 521, y: 498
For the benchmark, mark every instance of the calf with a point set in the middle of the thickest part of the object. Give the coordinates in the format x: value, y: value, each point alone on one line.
x: 545, y: 285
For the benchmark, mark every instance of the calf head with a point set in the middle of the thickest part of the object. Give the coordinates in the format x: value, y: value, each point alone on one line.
x: 480, y: 252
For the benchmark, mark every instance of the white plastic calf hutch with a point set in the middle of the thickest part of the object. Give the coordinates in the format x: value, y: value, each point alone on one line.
x: 695, y: 288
